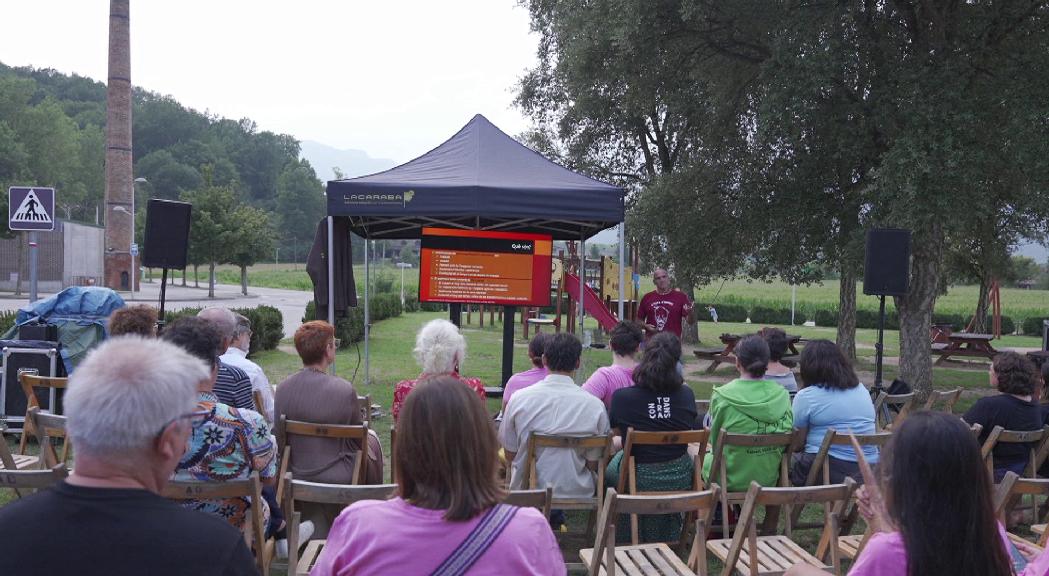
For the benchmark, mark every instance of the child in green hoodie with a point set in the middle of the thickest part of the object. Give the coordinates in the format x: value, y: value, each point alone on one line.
x: 749, y: 405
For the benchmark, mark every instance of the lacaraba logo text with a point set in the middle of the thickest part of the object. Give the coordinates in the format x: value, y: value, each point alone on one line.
x: 397, y: 199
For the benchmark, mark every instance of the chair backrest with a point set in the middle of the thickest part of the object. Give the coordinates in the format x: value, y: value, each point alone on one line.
x: 393, y: 455
x: 891, y: 409
x: 1012, y: 489
x: 702, y: 406
x: 538, y: 441
x: 1037, y: 449
x: 47, y: 427
x: 945, y: 399
x: 315, y: 492
x: 365, y: 404
x: 260, y: 404
x: 833, y: 498
x: 342, y: 431
x: 702, y: 503
x: 29, y: 383
x: 782, y: 441
x: 249, y: 488
x: 834, y: 438
x: 538, y: 499
x: 627, y: 471
x: 31, y: 480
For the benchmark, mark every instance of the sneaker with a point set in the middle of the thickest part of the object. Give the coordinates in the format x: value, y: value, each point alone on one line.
x: 306, y: 530
x: 282, y: 549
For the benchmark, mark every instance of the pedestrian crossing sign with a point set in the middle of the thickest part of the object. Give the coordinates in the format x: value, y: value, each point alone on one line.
x: 30, y: 208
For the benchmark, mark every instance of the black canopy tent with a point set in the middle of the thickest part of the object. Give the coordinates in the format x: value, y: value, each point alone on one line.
x: 479, y: 179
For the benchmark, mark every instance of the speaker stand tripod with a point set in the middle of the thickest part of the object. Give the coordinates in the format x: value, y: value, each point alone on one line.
x: 163, y: 293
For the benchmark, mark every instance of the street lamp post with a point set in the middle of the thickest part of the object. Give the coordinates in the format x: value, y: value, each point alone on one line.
x: 402, y: 266
x: 131, y: 247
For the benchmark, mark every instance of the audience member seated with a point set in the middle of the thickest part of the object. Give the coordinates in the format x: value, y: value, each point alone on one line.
x: 139, y: 319
x: 232, y: 386
x: 440, y: 350
x: 831, y: 399
x: 555, y: 405
x: 658, y: 402
x: 237, y: 356
x: 534, y: 374
x: 447, y: 511
x: 229, y: 444
x: 777, y: 371
x: 625, y: 340
x: 313, y: 395
x: 130, y: 410
x: 1014, y: 409
x: 931, y: 510
x: 749, y: 405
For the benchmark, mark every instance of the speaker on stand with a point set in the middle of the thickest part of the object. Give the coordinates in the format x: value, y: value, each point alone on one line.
x: 886, y: 272
x: 167, y: 241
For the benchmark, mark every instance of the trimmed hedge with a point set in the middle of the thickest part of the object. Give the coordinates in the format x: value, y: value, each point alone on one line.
x: 1031, y: 326
x: 731, y: 313
x: 7, y: 320
x: 267, y: 324
x: 351, y: 328
x: 766, y: 315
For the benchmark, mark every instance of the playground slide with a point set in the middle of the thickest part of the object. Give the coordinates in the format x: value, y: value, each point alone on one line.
x: 593, y: 304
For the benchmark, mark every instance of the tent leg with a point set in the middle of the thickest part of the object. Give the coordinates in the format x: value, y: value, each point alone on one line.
x: 622, y: 268
x: 582, y: 283
x: 367, y: 312
x: 331, y: 278
x: 508, y: 341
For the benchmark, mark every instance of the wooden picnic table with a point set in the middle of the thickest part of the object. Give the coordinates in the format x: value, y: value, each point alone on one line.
x: 1039, y: 357
x: 725, y: 353
x: 964, y: 344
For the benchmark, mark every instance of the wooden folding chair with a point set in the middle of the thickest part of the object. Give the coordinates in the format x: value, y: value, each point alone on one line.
x: 628, y: 467
x: 1036, y: 453
x: 296, y: 491
x: 365, y: 404
x: 781, y: 441
x: 819, y: 474
x: 608, y: 558
x: 30, y: 481
x: 891, y: 409
x: 344, y: 431
x: 752, y: 555
x: 1011, y: 491
x: 250, y: 488
x: 539, y: 499
x: 10, y: 461
x: 946, y: 399
x: 30, y: 382
x: 49, y: 427
x: 592, y: 504
x: 393, y: 455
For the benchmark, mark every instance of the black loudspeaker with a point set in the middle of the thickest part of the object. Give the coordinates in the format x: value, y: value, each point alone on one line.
x: 19, y: 355
x: 37, y: 331
x: 167, y: 234
x: 887, y: 267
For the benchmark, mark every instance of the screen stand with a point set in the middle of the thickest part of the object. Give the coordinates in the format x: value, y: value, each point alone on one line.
x: 508, y: 341
x: 455, y: 314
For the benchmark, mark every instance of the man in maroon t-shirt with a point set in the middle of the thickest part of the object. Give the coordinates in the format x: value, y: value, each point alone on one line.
x: 662, y: 309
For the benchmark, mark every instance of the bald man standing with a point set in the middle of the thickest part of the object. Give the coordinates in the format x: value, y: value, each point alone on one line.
x: 662, y: 309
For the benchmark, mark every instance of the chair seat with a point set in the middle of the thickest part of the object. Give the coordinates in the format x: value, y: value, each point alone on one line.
x: 776, y: 554
x: 848, y: 545
x: 574, y: 503
x: 309, y: 557
x: 1038, y: 528
x: 648, y: 559
x: 23, y: 462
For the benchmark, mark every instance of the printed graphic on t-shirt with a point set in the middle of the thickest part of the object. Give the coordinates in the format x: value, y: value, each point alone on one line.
x: 661, y: 313
x: 660, y: 409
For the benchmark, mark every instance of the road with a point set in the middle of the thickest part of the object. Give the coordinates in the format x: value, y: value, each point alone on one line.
x: 291, y: 303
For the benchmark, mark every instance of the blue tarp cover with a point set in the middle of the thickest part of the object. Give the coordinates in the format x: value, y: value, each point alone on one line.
x: 479, y: 178
x: 80, y: 313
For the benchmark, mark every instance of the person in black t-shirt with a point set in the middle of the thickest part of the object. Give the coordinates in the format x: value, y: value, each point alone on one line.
x: 658, y: 401
x: 1013, y: 409
x: 129, y: 409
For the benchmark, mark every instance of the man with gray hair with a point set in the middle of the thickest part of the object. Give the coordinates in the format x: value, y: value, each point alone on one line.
x: 237, y: 356
x: 233, y: 386
x: 130, y: 409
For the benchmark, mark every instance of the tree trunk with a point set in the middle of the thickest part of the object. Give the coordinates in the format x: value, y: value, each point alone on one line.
x: 690, y: 331
x: 847, y: 312
x: 916, y: 308
x: 183, y: 276
x: 980, y: 323
x: 244, y: 280
x: 196, y: 276
x: 211, y: 280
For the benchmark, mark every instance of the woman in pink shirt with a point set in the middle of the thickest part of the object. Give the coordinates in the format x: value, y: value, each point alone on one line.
x: 625, y: 340
x: 933, y: 511
x: 446, y: 517
x: 537, y: 372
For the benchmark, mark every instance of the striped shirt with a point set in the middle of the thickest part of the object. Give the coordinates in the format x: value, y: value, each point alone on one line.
x: 233, y: 387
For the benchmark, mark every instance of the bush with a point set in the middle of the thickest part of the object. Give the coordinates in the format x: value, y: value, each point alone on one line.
x: 267, y: 326
x: 958, y: 322
x: 7, y: 320
x: 349, y: 329
x: 1031, y: 326
x: 172, y: 315
x: 765, y: 315
x: 730, y: 312
x: 826, y: 317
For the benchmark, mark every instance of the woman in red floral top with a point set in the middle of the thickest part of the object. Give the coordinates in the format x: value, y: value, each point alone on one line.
x: 440, y: 350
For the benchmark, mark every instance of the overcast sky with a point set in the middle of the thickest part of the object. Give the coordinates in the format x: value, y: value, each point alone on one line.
x: 391, y: 78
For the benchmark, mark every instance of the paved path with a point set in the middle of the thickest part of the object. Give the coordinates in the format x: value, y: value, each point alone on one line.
x: 291, y: 303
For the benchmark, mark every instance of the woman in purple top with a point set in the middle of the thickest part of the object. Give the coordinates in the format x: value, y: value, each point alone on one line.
x: 932, y: 512
x: 537, y: 372
x: 447, y: 488
x: 625, y: 340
